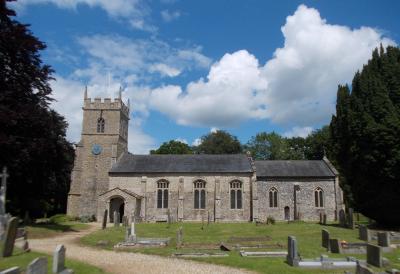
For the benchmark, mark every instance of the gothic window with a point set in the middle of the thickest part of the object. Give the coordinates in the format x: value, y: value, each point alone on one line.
x: 319, y: 197
x: 236, y: 194
x: 100, y: 125
x: 162, y: 194
x: 273, y: 197
x: 199, y: 195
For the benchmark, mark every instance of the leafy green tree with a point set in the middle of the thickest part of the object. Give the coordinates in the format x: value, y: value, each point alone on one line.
x: 173, y: 147
x: 219, y: 142
x: 268, y: 146
x: 296, y: 150
x: 32, y: 136
x: 365, y: 137
x: 317, y: 144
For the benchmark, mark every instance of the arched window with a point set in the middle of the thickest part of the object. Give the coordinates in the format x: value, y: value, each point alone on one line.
x: 273, y: 197
x: 162, y: 194
x: 100, y: 125
x: 199, y: 195
x: 319, y: 197
x: 236, y: 194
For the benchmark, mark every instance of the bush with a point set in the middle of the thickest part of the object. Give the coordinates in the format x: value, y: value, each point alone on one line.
x: 87, y: 219
x: 61, y: 218
x: 270, y: 220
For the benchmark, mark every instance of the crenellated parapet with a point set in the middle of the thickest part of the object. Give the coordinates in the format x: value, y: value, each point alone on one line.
x: 106, y: 103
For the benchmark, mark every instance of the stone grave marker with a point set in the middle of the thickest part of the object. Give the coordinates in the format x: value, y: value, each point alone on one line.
x: 37, y: 266
x: 320, y: 218
x: 324, y: 219
x: 363, y: 269
x: 208, y: 217
x: 384, y: 239
x: 179, y: 237
x: 325, y: 238
x: 116, y: 219
x: 12, y: 270
x: 104, y: 223
x: 9, y: 240
x: 342, y: 218
x: 364, y: 233
x: 292, y: 257
x: 59, y: 259
x: 374, y: 255
x: 335, y: 246
x: 350, y: 220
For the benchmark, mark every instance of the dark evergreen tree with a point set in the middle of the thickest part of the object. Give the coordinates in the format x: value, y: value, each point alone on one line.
x: 219, y: 142
x: 365, y: 134
x: 173, y: 147
x: 32, y: 136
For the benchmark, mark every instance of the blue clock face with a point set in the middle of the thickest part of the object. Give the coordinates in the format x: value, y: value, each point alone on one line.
x: 96, y: 149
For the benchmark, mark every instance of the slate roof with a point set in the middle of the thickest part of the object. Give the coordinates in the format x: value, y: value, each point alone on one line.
x: 294, y: 168
x: 201, y: 163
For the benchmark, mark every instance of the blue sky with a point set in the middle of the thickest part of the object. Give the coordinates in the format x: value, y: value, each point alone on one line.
x: 189, y: 67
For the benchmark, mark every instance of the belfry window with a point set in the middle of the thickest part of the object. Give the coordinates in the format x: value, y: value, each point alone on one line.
x: 100, y: 125
x: 162, y: 194
x: 273, y: 197
x: 199, y: 195
x: 319, y: 197
x: 236, y: 194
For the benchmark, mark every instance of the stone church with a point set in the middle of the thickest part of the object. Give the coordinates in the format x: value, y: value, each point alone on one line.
x: 223, y: 188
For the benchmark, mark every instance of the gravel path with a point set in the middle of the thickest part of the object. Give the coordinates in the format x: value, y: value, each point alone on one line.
x: 123, y: 262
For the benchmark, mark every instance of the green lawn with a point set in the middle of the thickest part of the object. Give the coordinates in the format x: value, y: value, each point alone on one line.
x: 22, y: 259
x: 53, y: 229
x: 308, y: 236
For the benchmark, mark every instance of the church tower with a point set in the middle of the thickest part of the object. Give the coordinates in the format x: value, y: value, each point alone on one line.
x: 104, y: 138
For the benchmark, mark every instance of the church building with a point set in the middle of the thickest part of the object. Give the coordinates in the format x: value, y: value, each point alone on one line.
x: 195, y: 187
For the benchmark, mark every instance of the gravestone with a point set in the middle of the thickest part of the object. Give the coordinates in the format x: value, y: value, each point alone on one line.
x: 364, y: 233
x: 320, y: 218
x: 384, y: 239
x: 208, y: 218
x: 132, y: 236
x: 292, y: 257
x: 116, y: 219
x: 37, y: 266
x: 9, y: 240
x: 374, y: 255
x: 104, y: 223
x: 125, y: 221
x: 325, y: 238
x: 179, y: 237
x: 350, y: 220
x: 324, y: 219
x: 25, y: 246
x: 335, y: 246
x: 59, y: 259
x: 12, y: 270
x: 342, y: 218
x: 363, y: 269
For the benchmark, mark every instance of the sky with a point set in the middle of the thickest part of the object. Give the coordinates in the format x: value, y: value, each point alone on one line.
x: 192, y: 67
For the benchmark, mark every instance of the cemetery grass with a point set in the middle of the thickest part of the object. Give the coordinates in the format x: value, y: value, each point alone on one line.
x: 22, y: 259
x: 308, y: 236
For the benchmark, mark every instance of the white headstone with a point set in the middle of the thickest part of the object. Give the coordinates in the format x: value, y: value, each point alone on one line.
x: 59, y: 259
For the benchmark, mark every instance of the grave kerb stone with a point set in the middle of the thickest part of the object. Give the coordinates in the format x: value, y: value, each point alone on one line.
x: 12, y: 270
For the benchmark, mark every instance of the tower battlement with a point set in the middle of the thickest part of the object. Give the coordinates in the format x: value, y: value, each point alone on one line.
x: 98, y: 103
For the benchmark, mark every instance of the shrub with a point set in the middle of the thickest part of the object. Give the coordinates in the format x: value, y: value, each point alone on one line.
x: 270, y: 220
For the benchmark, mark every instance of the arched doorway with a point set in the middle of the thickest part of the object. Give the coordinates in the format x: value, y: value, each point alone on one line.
x: 287, y: 213
x: 117, y: 204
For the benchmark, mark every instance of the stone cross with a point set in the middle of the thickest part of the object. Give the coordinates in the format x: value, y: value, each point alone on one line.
x: 105, y: 215
x: 59, y: 259
x: 12, y: 270
x: 384, y: 239
x: 37, y: 266
x: 292, y: 257
x: 11, y: 233
x: 325, y: 238
x: 374, y: 255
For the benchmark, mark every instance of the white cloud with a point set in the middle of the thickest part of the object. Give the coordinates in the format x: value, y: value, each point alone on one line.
x: 165, y: 70
x: 298, y: 132
x: 196, y: 142
x: 182, y: 140
x: 297, y: 87
x: 213, y: 129
x: 169, y: 16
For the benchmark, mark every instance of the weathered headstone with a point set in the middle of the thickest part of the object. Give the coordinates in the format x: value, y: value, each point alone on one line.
x: 292, y: 257
x: 202, y: 220
x: 325, y: 238
x: 342, y: 218
x: 208, y: 217
x: 59, y: 259
x: 363, y: 269
x: 320, y: 218
x: 384, y: 239
x: 374, y: 255
x: 324, y: 219
x: 104, y: 223
x: 12, y: 270
x: 364, y: 233
x: 335, y: 246
x: 116, y: 218
x: 37, y: 266
x: 9, y: 240
x: 350, y: 220
x: 179, y: 237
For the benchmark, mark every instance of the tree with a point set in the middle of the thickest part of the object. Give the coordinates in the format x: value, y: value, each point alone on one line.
x: 268, y: 146
x: 365, y: 134
x: 32, y: 136
x: 173, y: 147
x: 317, y: 144
x: 219, y: 142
